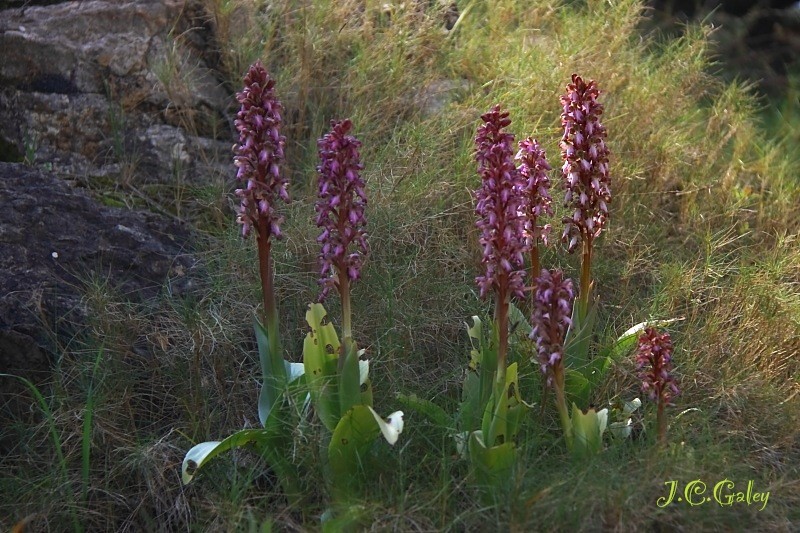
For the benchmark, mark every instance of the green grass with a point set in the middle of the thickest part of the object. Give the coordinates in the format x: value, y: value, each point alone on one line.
x: 704, y: 226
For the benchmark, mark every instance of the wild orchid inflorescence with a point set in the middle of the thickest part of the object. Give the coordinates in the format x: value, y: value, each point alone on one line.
x: 585, y: 173
x: 258, y: 157
x: 259, y: 154
x: 551, y: 318
x: 501, y: 208
x: 654, y: 362
x: 533, y: 167
x: 340, y: 208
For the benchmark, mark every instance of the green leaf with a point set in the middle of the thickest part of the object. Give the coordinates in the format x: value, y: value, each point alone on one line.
x: 502, y: 414
x: 352, y: 518
x: 470, y: 410
x: 577, y: 387
x: 627, y: 341
x: 514, y: 405
x: 493, y: 465
x: 587, y: 431
x: 320, y: 359
x: 364, y: 382
x: 475, y: 333
x: 478, y: 385
x: 202, y: 453
x: 354, y: 434
x: 517, y: 323
x: 273, y: 371
x: 350, y: 380
x: 273, y: 443
x: 433, y: 412
x: 579, y: 339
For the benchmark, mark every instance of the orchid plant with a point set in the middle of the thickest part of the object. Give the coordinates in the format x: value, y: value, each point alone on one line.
x: 337, y: 377
x: 331, y: 377
x: 259, y: 154
x: 488, y: 419
x: 654, y: 360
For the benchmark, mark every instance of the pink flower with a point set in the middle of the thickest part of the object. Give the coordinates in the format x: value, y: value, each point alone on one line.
x: 501, y: 207
x: 654, y: 361
x: 585, y: 169
x: 533, y: 167
x: 259, y: 152
x: 551, y: 318
x: 340, y: 207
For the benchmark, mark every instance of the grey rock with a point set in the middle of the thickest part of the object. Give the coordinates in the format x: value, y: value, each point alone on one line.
x: 54, y: 238
x: 103, y: 88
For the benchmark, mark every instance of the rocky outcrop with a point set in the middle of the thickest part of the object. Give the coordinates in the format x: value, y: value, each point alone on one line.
x: 55, y: 238
x: 105, y: 88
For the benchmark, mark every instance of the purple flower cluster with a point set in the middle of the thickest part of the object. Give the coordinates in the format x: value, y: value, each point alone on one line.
x: 533, y: 167
x: 551, y: 318
x: 654, y: 361
x: 585, y: 169
x: 501, y: 207
x: 259, y: 152
x: 340, y: 207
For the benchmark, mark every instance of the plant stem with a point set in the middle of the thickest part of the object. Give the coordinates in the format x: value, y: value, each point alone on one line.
x: 586, y: 277
x: 661, y: 423
x: 267, y: 285
x: 561, y: 403
x: 536, y: 269
x: 501, y: 325
x: 501, y: 321
x: 347, y: 325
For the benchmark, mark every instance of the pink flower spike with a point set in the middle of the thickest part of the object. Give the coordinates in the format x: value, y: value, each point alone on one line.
x: 340, y: 206
x: 585, y: 156
x: 259, y: 152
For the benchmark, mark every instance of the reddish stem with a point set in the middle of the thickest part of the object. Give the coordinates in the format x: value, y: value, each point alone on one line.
x: 586, y: 276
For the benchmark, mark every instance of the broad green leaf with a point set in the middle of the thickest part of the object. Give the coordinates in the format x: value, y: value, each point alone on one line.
x: 202, y: 453
x: 352, y: 518
x: 517, y: 323
x: 493, y: 465
x: 364, y: 381
x: 502, y: 414
x: 488, y: 368
x: 627, y: 341
x: 579, y: 338
x: 273, y: 443
x: 426, y: 407
x: 354, y: 434
x: 273, y: 371
x: 475, y: 333
x: 350, y: 380
x: 587, y: 430
x: 620, y: 430
x: 514, y: 407
x: 320, y: 357
x: 470, y: 409
x: 577, y: 387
